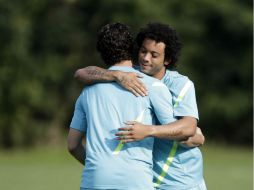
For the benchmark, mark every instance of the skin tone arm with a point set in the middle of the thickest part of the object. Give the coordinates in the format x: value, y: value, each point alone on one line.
x: 130, y: 81
x: 197, y: 140
x: 92, y: 74
x: 75, y: 146
x: 184, y: 130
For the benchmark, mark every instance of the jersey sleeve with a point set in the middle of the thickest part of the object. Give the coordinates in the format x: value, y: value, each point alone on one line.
x: 161, y: 101
x: 79, y: 121
x: 185, y: 103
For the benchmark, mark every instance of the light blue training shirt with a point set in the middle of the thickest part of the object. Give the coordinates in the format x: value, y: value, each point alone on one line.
x: 99, y: 111
x: 177, y: 167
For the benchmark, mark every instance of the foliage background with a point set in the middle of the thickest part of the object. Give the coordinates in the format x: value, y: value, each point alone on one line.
x: 42, y: 43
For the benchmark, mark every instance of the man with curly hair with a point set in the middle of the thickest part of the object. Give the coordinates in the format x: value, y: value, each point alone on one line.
x: 103, y: 107
x: 177, y: 165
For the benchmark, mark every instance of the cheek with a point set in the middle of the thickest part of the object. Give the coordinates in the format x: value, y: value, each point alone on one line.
x: 159, y: 62
x: 156, y: 63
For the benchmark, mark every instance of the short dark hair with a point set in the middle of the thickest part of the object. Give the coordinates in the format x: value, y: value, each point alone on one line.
x: 115, y: 43
x: 162, y: 33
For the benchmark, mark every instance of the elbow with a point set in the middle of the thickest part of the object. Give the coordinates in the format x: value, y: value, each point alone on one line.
x: 77, y: 74
x: 190, y: 128
x: 201, y: 136
x: 202, y: 140
x: 72, y: 147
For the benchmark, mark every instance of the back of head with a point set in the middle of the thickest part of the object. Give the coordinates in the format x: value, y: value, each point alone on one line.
x: 162, y: 33
x: 115, y: 43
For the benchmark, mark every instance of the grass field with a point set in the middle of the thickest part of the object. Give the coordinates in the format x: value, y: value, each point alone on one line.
x: 52, y: 168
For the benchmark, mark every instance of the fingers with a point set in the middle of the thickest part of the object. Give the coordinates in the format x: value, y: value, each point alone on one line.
x: 133, y: 91
x: 123, y: 133
x: 124, y: 137
x: 139, y: 75
x: 125, y: 128
x: 140, y: 88
x: 132, y: 83
x: 137, y: 90
x: 140, y: 84
x: 129, y: 123
x: 127, y: 140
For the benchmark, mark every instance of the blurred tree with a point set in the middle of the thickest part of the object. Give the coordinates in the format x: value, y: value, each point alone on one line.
x: 42, y: 43
x: 218, y: 56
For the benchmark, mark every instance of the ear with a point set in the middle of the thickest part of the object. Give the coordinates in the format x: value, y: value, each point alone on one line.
x: 167, y: 62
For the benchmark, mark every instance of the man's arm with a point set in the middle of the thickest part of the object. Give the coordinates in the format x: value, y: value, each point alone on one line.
x: 128, y: 80
x: 92, y: 74
x: 75, y: 146
x: 160, y: 99
x: 197, y: 140
x: 178, y: 130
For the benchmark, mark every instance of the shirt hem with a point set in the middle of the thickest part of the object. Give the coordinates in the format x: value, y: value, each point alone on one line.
x: 166, y: 187
x: 116, y: 187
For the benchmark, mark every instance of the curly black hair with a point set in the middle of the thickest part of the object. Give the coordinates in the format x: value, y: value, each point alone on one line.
x: 161, y: 33
x: 115, y: 43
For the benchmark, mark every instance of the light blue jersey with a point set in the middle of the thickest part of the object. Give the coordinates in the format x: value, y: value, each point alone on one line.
x: 100, y: 110
x: 177, y: 167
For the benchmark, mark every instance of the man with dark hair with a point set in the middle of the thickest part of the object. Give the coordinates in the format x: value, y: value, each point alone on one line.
x: 102, y: 108
x: 161, y: 33
x: 177, y: 166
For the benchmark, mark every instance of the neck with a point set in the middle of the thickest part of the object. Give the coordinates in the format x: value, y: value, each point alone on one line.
x: 127, y: 63
x: 160, y: 74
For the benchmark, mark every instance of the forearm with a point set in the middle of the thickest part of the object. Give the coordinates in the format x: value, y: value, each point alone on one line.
x: 79, y: 153
x: 92, y: 74
x: 197, y: 140
x: 178, y: 130
x: 128, y: 80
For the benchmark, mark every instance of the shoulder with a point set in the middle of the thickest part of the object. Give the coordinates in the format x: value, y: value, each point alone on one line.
x: 157, y: 89
x: 176, y: 81
x: 151, y: 82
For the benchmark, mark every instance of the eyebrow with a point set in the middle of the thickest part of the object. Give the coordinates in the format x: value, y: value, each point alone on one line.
x: 153, y: 52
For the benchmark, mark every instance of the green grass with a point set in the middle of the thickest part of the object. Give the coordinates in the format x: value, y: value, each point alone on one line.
x: 40, y: 169
x: 52, y: 168
x: 228, y: 168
